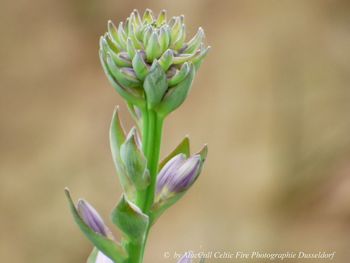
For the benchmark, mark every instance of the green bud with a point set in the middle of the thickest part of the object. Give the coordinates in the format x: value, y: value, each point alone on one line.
x: 178, y: 44
x: 132, y: 35
x: 182, y: 58
x: 154, y: 39
x: 130, y: 47
x: 148, y: 17
x: 122, y: 34
x: 137, y: 18
x: 112, y: 30
x: 166, y: 59
x: 110, y: 44
x: 125, y: 78
x: 164, y: 37
x: 161, y: 18
x: 180, y: 75
x: 131, y: 95
x: 155, y: 85
x: 139, y: 65
x: 198, y: 59
x: 121, y: 59
x: 147, y: 32
x: 130, y: 74
x: 175, y: 29
x: 135, y: 162
x: 195, y: 42
x: 153, y: 49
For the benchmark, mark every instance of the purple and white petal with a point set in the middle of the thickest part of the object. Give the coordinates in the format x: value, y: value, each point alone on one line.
x: 169, y: 171
x: 102, y: 258
x: 92, y: 218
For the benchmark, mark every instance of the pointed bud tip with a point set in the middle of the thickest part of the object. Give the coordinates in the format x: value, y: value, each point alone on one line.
x: 116, y: 110
x: 66, y: 191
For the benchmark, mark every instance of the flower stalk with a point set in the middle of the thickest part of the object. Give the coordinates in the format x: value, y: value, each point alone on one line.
x: 149, y: 63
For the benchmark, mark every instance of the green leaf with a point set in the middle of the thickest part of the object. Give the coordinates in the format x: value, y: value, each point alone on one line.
x: 203, y: 152
x: 93, y: 256
x: 183, y: 147
x: 107, y: 246
x: 134, y: 161
x: 117, y: 138
x: 176, y: 95
x: 155, y: 85
x: 130, y: 219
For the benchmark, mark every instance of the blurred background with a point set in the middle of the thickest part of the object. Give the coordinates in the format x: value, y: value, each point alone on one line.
x: 272, y: 100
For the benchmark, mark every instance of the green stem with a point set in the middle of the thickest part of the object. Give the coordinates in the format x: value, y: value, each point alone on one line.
x: 151, y: 142
x: 153, y: 157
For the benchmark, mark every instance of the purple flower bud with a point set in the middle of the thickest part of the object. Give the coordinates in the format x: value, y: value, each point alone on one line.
x: 91, y: 217
x: 178, y: 174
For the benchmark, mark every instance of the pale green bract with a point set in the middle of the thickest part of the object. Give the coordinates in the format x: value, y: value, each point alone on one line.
x: 151, y: 65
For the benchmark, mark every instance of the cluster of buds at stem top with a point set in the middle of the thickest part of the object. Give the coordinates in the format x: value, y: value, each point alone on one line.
x: 133, y: 50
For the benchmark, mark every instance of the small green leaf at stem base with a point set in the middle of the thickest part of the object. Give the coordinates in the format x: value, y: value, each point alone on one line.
x: 130, y: 219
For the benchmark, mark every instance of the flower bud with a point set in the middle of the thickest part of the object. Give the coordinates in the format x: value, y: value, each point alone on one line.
x: 91, y: 217
x: 180, y: 75
x: 130, y: 48
x: 153, y: 49
x: 195, y: 42
x: 148, y: 17
x: 121, y: 59
x: 164, y: 37
x: 161, y: 18
x: 159, y: 40
x: 134, y: 161
x: 177, y: 175
x: 126, y: 77
x: 140, y: 66
x: 166, y: 60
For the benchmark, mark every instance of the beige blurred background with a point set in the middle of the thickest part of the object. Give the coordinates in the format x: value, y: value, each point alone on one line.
x: 272, y: 100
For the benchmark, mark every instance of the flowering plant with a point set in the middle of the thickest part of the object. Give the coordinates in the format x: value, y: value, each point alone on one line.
x: 149, y: 63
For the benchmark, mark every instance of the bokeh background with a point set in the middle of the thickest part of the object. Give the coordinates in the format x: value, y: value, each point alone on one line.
x: 272, y: 100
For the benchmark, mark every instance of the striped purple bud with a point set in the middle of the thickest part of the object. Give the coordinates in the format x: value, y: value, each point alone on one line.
x: 91, y: 217
x: 178, y: 175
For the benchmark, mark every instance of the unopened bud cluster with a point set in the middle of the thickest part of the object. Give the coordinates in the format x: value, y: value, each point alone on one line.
x: 131, y: 50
